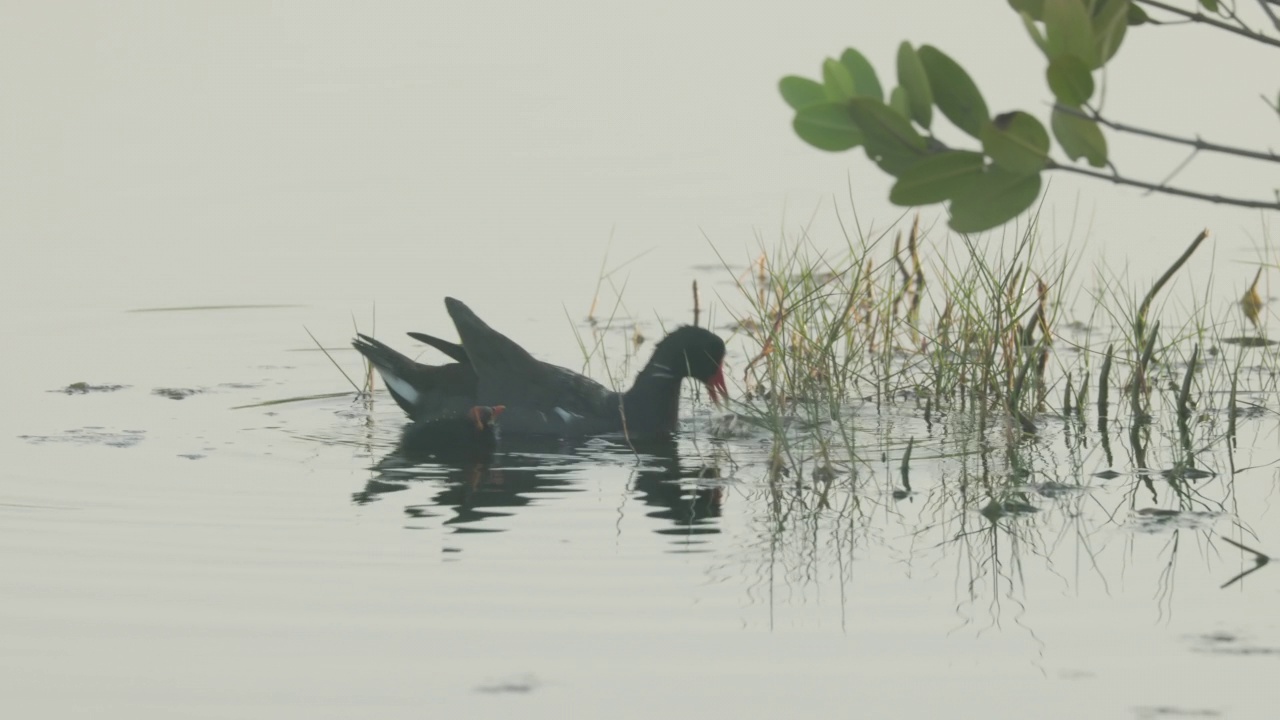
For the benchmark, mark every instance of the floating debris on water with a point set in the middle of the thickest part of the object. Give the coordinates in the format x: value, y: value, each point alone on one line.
x: 1057, y: 489
x: 1186, y: 473
x: 1250, y: 341
x: 524, y: 684
x: 201, y: 308
x: 1159, y: 519
x: 175, y: 393
x: 84, y: 388
x: 90, y: 436
x: 997, y: 509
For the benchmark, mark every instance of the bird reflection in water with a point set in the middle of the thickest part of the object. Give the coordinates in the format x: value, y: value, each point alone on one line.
x: 481, y: 482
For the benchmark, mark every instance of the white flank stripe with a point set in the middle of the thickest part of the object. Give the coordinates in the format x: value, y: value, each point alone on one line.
x: 401, y: 388
x: 661, y: 371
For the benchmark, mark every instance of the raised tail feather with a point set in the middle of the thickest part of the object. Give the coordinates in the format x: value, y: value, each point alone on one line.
x: 453, y: 350
x: 396, y: 369
x: 422, y: 391
x: 492, y: 354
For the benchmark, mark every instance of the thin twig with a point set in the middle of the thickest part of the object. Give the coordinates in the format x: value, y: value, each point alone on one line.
x: 1174, y: 173
x: 1151, y: 294
x: 1196, y: 143
x: 697, y: 306
x: 1266, y: 8
x: 1259, y: 559
x: 1197, y: 17
x: 335, y: 362
x: 1180, y: 192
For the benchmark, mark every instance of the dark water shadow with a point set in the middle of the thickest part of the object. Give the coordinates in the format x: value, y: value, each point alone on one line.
x: 207, y: 308
x: 484, y: 483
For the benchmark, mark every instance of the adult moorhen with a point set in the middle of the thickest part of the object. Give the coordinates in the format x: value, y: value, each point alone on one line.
x: 490, y: 369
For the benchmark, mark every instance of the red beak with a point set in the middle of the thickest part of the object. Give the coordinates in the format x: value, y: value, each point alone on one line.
x: 716, y: 388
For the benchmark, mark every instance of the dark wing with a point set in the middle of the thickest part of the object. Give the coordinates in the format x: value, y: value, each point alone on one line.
x: 581, y: 395
x: 508, y: 375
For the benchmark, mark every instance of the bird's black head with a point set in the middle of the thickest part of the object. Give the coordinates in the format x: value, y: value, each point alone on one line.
x: 693, y: 352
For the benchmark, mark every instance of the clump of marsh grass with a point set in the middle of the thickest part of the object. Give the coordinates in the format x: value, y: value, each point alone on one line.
x: 880, y: 325
x: 911, y: 324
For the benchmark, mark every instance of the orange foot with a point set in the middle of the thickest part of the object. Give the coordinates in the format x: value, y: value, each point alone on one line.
x: 484, y: 415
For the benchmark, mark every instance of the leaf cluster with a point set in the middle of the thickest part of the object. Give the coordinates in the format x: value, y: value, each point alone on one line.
x: 983, y: 187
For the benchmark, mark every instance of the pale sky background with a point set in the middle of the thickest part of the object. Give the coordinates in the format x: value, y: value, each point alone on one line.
x: 341, y: 154
x: 335, y: 155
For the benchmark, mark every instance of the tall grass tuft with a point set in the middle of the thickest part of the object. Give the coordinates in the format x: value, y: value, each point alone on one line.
x: 917, y: 324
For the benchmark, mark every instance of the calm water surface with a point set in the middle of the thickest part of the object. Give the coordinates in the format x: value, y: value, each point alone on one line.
x: 183, y: 557
x: 166, y: 554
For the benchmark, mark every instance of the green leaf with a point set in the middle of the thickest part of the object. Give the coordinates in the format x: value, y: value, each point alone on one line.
x: 1070, y: 80
x: 899, y: 101
x: 1210, y: 5
x: 1109, y: 25
x: 992, y: 199
x: 1068, y: 31
x: 827, y: 126
x: 1034, y: 8
x: 936, y: 178
x: 865, y: 82
x: 1017, y: 143
x: 911, y: 76
x: 1034, y: 31
x: 889, y: 138
x: 1079, y: 136
x: 837, y: 80
x: 800, y: 92
x: 1137, y: 16
x: 954, y: 92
